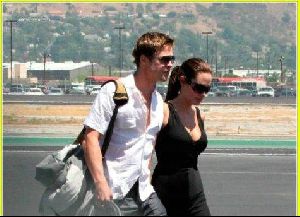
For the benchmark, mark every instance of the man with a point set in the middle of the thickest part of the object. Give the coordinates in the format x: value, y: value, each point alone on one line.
x: 124, y: 175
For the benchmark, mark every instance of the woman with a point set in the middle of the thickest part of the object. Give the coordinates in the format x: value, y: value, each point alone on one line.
x: 176, y: 178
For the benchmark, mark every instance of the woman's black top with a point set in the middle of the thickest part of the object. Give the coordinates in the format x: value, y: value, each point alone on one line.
x: 175, y: 148
x: 176, y: 178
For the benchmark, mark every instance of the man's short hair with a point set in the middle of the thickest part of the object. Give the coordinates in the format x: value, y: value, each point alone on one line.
x: 150, y: 43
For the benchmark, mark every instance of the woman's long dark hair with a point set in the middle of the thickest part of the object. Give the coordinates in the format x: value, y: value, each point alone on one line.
x: 189, y: 68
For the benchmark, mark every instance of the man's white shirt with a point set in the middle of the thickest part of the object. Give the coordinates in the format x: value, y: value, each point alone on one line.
x: 130, y: 150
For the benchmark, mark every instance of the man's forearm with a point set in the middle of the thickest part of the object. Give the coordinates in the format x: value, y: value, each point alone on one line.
x: 93, y: 156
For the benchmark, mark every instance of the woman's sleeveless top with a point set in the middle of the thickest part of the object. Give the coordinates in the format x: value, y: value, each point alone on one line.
x: 175, y: 148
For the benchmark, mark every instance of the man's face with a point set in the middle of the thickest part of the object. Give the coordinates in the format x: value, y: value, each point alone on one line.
x: 161, y: 64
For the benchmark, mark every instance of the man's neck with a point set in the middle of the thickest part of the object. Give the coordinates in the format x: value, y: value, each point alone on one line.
x: 146, y: 86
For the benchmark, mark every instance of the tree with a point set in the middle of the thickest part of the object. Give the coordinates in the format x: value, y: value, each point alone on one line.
x: 273, y: 78
x: 228, y: 33
x: 256, y: 47
x: 286, y: 18
x: 140, y: 10
x: 4, y: 9
x: 172, y: 14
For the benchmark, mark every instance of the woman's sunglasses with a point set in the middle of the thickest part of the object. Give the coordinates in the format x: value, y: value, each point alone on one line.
x: 200, y: 88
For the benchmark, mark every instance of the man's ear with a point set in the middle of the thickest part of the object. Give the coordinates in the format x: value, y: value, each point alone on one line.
x: 144, y: 59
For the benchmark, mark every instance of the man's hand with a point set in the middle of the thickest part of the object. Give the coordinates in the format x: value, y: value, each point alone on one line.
x: 103, y: 191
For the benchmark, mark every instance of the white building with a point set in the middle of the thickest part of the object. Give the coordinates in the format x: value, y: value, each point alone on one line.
x: 254, y: 72
x: 33, y: 71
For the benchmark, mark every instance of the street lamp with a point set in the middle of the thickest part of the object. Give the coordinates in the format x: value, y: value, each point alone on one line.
x: 45, y: 58
x: 120, y: 28
x: 93, y: 69
x: 11, y: 45
x: 257, y: 64
x: 216, y: 59
x: 281, y: 75
x: 207, y: 33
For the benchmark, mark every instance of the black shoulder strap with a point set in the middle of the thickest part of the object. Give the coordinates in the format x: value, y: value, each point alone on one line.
x: 120, y: 98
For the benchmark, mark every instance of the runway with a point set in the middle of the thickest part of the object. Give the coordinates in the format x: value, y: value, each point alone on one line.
x: 236, y: 183
x: 85, y: 99
x: 248, y: 178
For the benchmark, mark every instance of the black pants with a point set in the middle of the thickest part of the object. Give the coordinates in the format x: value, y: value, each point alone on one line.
x: 181, y: 193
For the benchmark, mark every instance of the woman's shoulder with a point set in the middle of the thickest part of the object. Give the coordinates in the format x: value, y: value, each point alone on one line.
x: 166, y: 114
x: 202, y: 115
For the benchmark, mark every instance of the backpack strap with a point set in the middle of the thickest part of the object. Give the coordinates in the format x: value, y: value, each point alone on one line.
x: 120, y: 98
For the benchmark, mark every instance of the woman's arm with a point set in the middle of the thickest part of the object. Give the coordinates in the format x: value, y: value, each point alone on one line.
x: 166, y: 115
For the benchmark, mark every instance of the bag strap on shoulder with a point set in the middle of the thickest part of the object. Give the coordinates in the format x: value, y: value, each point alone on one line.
x: 120, y: 98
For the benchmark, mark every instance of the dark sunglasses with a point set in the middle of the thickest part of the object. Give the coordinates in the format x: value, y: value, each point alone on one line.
x: 166, y: 59
x: 200, y: 88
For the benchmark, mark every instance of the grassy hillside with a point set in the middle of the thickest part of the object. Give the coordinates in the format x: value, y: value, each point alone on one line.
x: 240, y: 31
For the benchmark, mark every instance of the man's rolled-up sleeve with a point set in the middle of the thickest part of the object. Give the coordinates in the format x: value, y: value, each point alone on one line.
x: 102, y: 110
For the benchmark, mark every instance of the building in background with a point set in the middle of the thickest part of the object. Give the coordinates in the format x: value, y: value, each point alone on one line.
x: 33, y: 72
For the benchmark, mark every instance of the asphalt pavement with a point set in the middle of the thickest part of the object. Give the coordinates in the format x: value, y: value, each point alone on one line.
x: 85, y: 99
x: 236, y: 184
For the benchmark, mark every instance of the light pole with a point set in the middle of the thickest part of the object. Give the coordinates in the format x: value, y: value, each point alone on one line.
x: 281, y: 75
x: 216, y: 59
x: 120, y: 28
x: 257, y: 64
x: 93, y: 69
x: 45, y: 59
x: 11, y: 48
x: 207, y: 33
x: 226, y: 60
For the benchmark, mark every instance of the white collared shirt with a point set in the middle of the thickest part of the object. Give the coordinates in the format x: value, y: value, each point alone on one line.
x: 130, y: 149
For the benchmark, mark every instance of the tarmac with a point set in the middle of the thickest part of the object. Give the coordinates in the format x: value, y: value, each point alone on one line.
x: 236, y: 184
x: 85, y: 99
x: 238, y: 181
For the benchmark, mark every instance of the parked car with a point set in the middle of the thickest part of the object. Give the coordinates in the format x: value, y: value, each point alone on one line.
x: 212, y: 92
x: 95, y: 91
x: 286, y: 91
x: 5, y: 90
x: 243, y: 92
x: 34, y: 92
x: 266, y: 92
x: 77, y: 87
x: 75, y: 92
x: 224, y: 91
x: 56, y: 92
x: 16, y: 89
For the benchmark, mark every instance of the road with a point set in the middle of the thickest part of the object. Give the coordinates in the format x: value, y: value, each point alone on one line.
x: 247, y: 184
x: 83, y: 99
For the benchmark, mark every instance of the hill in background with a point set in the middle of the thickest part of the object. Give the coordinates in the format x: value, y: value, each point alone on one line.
x: 241, y: 31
